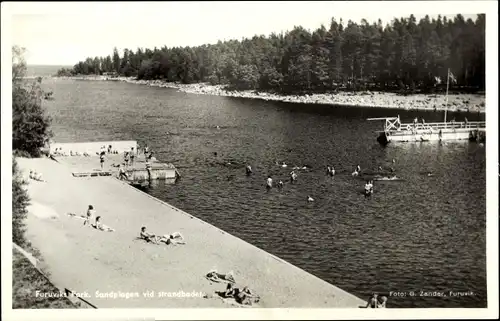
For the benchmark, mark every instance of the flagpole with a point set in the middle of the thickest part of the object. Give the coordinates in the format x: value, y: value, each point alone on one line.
x: 447, y: 87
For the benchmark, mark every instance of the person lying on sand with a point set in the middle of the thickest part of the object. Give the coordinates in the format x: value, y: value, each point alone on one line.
x: 174, y: 238
x: 219, y: 277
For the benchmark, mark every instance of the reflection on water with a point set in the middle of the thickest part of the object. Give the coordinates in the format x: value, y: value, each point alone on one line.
x: 422, y: 233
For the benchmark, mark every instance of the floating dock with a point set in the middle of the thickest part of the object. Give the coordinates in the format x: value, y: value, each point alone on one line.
x: 395, y: 131
x: 138, y: 172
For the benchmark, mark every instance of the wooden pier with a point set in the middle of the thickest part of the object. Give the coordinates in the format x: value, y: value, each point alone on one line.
x: 395, y: 131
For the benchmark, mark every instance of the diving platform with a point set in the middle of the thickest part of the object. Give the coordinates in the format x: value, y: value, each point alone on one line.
x: 395, y: 131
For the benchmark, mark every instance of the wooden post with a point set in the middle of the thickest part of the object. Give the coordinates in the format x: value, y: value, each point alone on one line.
x: 447, y: 87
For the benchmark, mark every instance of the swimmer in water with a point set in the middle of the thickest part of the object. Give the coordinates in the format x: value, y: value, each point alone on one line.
x: 293, y: 176
x: 248, y: 170
x: 430, y: 174
x: 284, y: 165
x: 355, y: 173
x: 280, y: 184
x: 358, y: 169
x: 332, y: 171
x: 269, y: 182
x: 310, y: 199
x: 328, y: 170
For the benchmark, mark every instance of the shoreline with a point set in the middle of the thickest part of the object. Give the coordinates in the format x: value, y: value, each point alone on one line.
x: 422, y: 102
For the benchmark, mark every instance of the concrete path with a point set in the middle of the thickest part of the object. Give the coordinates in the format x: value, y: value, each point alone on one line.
x: 84, y: 259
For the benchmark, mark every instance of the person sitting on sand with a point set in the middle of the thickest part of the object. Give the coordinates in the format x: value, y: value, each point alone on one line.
x: 148, y: 237
x: 244, y: 296
x: 229, y: 291
x: 36, y: 176
x: 99, y: 226
x: 109, y: 149
x: 90, y: 213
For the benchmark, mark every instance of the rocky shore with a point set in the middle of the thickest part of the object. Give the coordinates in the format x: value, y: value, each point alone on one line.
x: 456, y: 102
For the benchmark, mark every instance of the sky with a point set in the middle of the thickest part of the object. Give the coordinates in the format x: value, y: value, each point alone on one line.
x: 65, y: 33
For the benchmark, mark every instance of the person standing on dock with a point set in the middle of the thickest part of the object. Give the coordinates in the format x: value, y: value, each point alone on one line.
x: 102, y: 160
x: 146, y: 150
x: 148, y: 169
x: 132, y: 156
x: 126, y: 158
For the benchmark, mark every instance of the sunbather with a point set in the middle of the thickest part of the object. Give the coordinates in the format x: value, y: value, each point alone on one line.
x: 148, y: 237
x: 174, y: 238
x: 245, y: 296
x: 98, y: 225
x: 219, y: 277
x: 242, y: 296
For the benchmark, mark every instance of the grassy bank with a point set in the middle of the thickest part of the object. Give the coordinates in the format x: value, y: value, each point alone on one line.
x: 26, y: 281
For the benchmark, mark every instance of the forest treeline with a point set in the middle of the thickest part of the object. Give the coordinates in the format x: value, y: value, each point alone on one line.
x: 403, y: 55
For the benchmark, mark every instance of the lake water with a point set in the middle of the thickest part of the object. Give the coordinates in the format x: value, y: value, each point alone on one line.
x: 423, y: 233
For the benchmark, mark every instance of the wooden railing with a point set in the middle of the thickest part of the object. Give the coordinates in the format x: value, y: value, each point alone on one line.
x: 450, y: 125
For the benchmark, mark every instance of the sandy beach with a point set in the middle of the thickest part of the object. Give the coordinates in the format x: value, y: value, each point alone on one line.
x: 87, y: 261
x: 456, y: 102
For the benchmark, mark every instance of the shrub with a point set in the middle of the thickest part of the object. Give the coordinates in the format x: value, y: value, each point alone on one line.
x: 20, y: 202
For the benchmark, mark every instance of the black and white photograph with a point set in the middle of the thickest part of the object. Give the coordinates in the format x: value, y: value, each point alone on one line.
x: 229, y: 160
